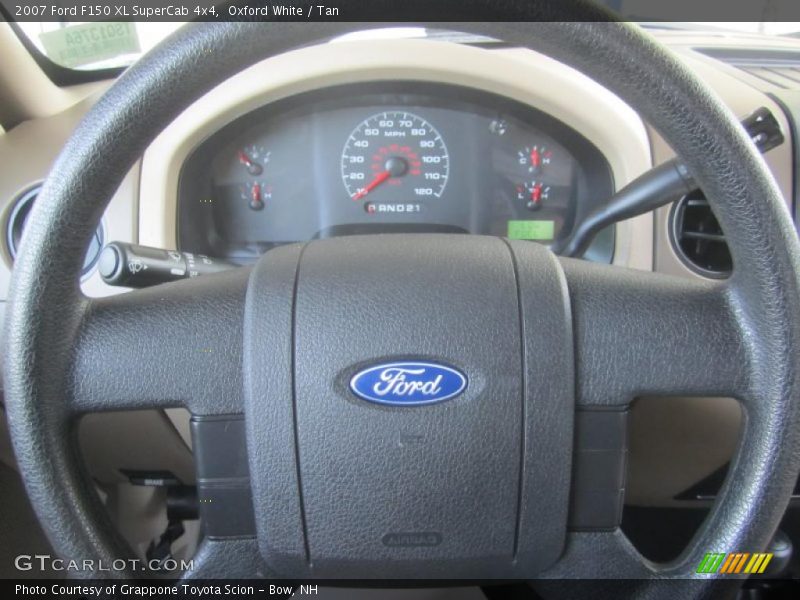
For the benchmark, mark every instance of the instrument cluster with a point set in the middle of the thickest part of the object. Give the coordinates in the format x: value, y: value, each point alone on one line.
x: 388, y: 158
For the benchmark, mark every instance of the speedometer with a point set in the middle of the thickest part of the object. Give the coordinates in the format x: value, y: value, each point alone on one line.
x: 395, y: 158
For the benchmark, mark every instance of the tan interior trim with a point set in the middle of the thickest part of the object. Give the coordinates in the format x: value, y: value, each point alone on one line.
x: 742, y: 99
x: 673, y: 443
x: 525, y: 76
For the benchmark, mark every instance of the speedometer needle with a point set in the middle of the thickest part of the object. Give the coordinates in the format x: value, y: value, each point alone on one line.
x: 379, y: 179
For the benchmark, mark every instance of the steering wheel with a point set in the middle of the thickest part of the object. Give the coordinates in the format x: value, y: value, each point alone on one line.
x: 312, y: 480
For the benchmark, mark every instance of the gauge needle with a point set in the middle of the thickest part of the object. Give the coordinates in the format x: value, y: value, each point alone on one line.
x: 536, y: 158
x: 536, y: 193
x: 379, y: 179
x: 244, y: 159
x: 253, y: 167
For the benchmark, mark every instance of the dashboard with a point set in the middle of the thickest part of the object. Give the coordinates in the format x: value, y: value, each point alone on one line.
x: 385, y: 157
x: 293, y: 116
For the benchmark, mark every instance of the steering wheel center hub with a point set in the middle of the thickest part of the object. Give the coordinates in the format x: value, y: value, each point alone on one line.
x: 407, y: 378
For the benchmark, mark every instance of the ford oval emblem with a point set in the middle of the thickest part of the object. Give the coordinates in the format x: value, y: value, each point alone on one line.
x: 408, y: 383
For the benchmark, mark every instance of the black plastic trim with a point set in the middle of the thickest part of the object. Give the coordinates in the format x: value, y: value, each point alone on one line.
x: 599, y: 469
x: 224, y: 496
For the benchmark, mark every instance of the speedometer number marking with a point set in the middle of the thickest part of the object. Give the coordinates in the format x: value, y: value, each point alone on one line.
x: 395, y: 157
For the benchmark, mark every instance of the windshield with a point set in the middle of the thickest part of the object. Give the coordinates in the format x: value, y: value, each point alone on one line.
x: 97, y: 45
x: 102, y: 45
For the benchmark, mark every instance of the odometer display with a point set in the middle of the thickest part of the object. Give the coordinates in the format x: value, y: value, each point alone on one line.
x: 395, y: 157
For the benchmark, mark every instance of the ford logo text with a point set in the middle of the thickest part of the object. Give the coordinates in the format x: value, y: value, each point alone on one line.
x: 408, y: 383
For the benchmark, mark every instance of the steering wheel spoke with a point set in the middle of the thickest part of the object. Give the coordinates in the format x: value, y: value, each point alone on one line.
x: 620, y: 559
x: 234, y: 558
x: 639, y: 333
x: 176, y: 344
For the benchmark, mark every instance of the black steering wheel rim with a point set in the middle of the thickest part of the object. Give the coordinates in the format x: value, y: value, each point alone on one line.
x: 46, y: 308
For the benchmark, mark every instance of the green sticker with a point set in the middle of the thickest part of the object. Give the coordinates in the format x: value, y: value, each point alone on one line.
x: 79, y: 45
x: 531, y: 230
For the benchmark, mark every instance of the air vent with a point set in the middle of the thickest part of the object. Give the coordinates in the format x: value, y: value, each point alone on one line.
x: 698, y: 238
x: 18, y: 217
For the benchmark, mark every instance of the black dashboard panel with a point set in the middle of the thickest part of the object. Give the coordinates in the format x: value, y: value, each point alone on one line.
x: 388, y: 157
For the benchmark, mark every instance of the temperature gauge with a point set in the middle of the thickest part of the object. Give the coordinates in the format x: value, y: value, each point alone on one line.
x: 533, y: 194
x: 535, y: 158
x: 257, y: 194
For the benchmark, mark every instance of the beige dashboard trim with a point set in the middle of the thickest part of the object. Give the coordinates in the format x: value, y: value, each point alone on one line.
x: 523, y: 75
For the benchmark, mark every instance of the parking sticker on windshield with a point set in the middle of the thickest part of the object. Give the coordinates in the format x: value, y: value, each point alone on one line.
x: 90, y: 43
